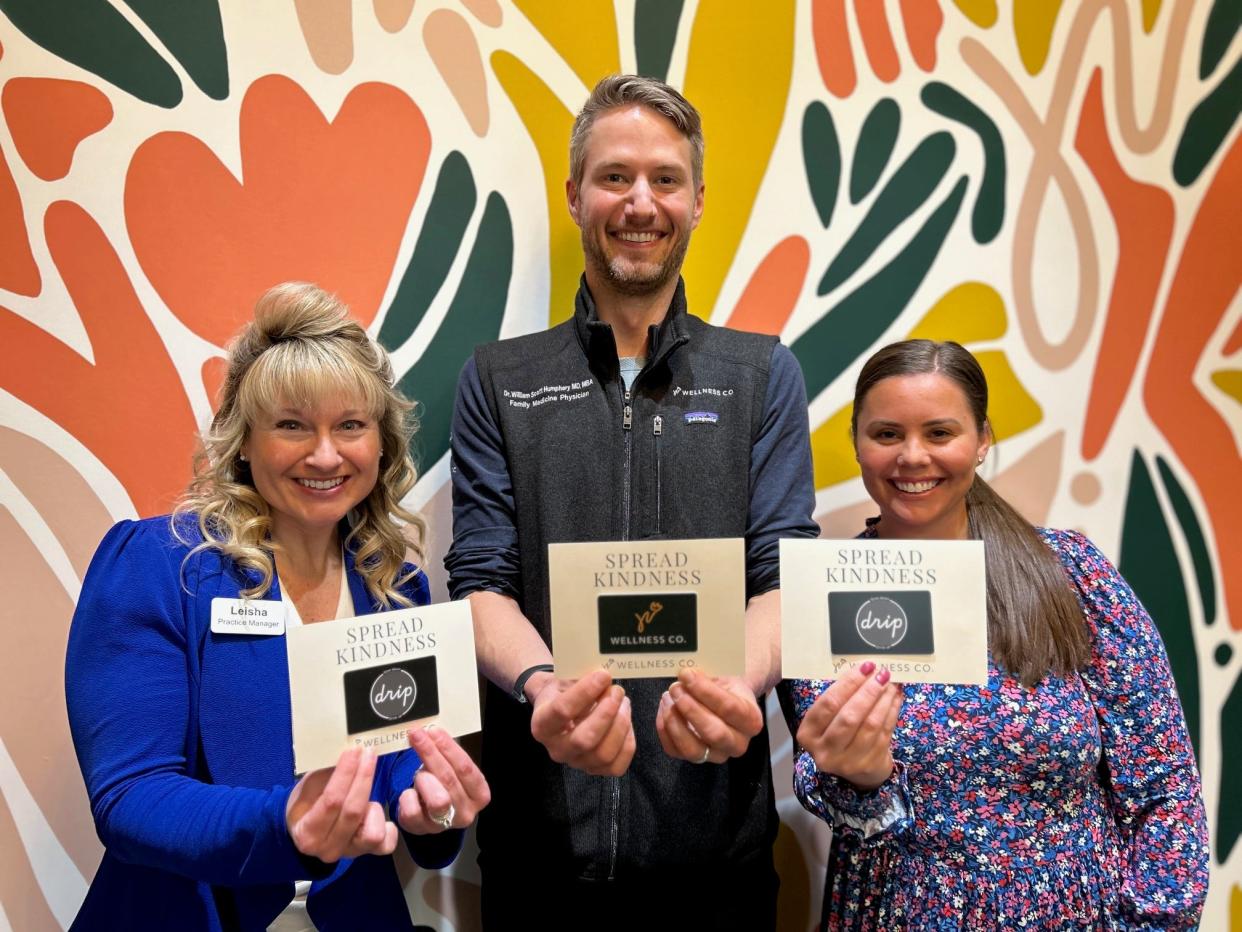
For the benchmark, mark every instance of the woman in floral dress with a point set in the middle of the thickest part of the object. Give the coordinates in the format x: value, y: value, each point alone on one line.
x: 1061, y: 795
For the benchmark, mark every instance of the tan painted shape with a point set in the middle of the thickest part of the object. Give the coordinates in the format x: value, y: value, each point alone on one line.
x: 328, y: 29
x: 58, y: 493
x: 455, y: 53
x: 33, y: 721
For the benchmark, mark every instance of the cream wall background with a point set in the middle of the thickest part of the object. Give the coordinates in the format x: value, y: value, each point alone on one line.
x: 1055, y: 183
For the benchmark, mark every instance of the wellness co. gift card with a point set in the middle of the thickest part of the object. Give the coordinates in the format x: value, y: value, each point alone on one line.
x: 648, y: 608
x: 368, y: 680
x: 915, y: 607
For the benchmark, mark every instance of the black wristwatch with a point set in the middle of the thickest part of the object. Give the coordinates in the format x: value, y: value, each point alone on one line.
x: 519, y: 685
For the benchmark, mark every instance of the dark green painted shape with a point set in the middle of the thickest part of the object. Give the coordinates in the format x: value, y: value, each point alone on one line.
x: 474, y: 317
x: 1149, y: 564
x: 1223, y: 654
x: 94, y: 36
x: 1208, y: 126
x: 905, y: 192
x: 989, y: 213
x: 821, y: 153
x: 1229, y: 807
x: 843, y: 334
x: 655, y: 34
x: 876, y: 140
x: 440, y: 238
x: 192, y: 31
x: 1223, y: 23
x: 1193, y: 533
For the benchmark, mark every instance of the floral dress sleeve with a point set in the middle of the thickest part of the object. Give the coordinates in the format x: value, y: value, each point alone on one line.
x: 866, y: 815
x: 1148, y: 764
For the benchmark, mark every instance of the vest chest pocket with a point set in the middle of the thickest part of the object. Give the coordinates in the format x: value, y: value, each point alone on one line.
x: 695, y: 480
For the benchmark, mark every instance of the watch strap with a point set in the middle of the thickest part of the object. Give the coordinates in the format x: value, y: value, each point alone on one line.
x: 519, y: 685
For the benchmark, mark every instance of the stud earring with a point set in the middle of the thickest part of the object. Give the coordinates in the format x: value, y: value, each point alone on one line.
x: 242, y: 457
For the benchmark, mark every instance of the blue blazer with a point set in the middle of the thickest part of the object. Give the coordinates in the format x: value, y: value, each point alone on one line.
x: 185, y: 741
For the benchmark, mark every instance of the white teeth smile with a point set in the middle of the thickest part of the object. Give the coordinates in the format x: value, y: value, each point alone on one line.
x: 321, y: 484
x: 638, y: 237
x: 916, y: 486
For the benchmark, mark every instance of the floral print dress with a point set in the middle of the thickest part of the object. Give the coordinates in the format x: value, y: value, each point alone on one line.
x: 1072, y: 805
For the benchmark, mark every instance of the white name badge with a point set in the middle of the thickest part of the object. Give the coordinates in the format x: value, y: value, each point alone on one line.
x: 369, y: 680
x: 648, y: 608
x: 247, y: 616
x: 917, y: 608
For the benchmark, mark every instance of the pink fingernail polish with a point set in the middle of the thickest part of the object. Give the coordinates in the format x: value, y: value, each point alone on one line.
x: 883, y: 677
x: 866, y: 667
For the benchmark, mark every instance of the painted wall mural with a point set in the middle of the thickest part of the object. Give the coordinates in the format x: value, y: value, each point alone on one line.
x: 1057, y: 185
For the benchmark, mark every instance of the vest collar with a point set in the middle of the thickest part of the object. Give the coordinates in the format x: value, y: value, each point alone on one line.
x: 600, y: 345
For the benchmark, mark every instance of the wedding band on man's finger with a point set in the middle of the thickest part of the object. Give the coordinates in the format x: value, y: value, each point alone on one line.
x: 707, y: 751
x: 445, y: 821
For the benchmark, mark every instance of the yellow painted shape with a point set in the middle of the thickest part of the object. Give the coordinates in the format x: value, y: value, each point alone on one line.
x: 1033, y: 22
x: 1235, y: 908
x: 549, y: 124
x: 583, y: 32
x: 1151, y: 9
x: 1229, y: 381
x: 832, y: 450
x: 738, y: 74
x: 967, y: 313
x: 980, y: 12
x: 1010, y: 406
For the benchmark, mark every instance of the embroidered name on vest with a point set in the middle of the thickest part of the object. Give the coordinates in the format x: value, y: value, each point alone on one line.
x: 548, y: 394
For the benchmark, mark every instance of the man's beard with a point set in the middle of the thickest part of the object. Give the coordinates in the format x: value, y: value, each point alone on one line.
x: 631, y: 278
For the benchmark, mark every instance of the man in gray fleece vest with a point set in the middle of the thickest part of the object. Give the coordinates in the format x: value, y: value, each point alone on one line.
x: 649, y: 803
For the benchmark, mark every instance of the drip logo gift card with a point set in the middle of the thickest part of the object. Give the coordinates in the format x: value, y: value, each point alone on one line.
x: 917, y: 608
x: 368, y: 680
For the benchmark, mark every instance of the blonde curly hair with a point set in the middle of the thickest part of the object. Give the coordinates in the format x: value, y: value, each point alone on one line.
x: 301, y: 346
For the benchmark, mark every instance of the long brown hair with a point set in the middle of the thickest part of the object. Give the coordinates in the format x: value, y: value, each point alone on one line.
x: 1035, y: 623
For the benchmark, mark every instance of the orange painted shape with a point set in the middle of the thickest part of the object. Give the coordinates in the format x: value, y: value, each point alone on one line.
x: 1144, y: 217
x: 319, y: 201
x: 1203, y: 290
x: 48, y: 117
x: 18, y: 271
x: 772, y: 293
x: 1234, y: 343
x: 135, y: 418
x: 832, y: 47
x: 877, y: 39
x: 923, y: 19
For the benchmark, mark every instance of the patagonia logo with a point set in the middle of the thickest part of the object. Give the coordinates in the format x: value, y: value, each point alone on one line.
x: 702, y: 417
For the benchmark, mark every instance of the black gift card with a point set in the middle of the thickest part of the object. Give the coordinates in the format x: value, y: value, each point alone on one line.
x: 652, y: 623
x: 880, y: 622
x: 390, y: 694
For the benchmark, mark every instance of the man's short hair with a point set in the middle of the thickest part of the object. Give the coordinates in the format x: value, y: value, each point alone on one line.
x: 619, y: 90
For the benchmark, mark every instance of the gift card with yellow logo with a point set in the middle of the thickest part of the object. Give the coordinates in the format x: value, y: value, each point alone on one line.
x: 648, y: 608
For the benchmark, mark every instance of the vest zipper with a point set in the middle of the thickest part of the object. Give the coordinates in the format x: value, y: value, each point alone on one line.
x: 614, y: 783
x: 657, y: 429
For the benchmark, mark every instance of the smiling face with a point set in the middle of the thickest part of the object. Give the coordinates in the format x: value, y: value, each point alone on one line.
x: 312, y: 464
x: 918, y: 445
x: 637, y: 202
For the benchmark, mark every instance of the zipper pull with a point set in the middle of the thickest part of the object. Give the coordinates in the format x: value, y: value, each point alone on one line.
x: 627, y: 418
x: 657, y: 426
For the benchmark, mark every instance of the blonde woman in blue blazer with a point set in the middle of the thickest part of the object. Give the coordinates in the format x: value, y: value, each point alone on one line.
x: 184, y: 734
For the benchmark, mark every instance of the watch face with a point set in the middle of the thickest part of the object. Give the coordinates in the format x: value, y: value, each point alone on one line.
x: 648, y: 623
x: 390, y: 694
x: 880, y: 622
